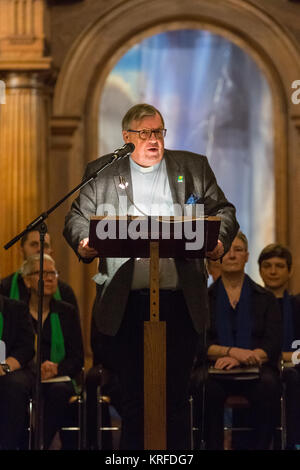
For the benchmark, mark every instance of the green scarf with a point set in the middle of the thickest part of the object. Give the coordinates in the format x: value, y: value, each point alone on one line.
x: 14, y: 288
x: 57, y: 295
x: 57, y: 341
x: 57, y: 352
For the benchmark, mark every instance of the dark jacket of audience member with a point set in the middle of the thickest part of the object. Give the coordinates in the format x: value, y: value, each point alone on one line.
x: 15, y: 386
x: 265, y: 316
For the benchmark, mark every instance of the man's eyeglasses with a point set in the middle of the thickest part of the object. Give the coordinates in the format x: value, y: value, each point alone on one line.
x: 145, y: 134
x: 49, y: 274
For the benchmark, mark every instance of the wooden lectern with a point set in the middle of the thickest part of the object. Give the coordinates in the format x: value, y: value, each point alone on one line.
x: 154, y: 238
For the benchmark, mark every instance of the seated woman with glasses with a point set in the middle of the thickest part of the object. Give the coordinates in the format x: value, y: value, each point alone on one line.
x: 61, y: 344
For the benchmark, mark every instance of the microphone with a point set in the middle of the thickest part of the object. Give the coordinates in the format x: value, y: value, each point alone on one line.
x: 124, y: 151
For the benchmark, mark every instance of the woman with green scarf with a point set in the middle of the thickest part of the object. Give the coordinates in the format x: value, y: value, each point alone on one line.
x: 61, y: 344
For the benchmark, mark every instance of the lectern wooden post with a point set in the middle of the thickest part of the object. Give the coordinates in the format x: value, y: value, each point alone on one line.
x: 155, y: 418
x: 153, y: 244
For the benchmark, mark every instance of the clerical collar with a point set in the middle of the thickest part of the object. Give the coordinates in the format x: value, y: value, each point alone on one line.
x: 143, y: 169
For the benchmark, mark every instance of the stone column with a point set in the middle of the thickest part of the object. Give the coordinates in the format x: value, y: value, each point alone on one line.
x: 23, y: 162
x: 23, y: 121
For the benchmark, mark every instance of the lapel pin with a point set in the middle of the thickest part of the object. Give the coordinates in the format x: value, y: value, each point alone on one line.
x: 123, y: 183
x: 180, y: 179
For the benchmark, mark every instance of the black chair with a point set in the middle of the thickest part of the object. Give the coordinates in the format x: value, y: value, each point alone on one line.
x: 78, y: 406
x: 239, y: 405
x: 103, y: 409
x: 77, y: 410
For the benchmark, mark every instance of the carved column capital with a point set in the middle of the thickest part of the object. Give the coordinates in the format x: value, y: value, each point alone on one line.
x: 22, y: 35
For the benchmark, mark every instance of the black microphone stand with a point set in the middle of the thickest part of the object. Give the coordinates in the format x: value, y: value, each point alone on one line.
x: 38, y: 224
x: 204, y: 378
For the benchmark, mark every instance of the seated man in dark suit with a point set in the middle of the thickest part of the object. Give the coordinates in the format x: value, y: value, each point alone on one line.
x: 13, y: 286
x: 244, y: 331
x: 275, y: 267
x: 16, y: 335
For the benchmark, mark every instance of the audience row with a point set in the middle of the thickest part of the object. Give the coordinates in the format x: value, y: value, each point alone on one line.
x: 250, y: 326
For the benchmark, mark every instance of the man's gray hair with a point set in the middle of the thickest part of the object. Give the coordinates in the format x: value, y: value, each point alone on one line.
x: 28, y: 266
x: 137, y: 113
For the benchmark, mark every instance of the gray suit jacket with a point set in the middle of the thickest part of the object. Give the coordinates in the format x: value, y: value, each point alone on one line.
x: 116, y: 273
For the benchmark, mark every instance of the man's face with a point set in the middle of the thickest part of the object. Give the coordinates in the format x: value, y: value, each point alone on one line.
x: 150, y: 151
x: 235, y: 259
x: 49, y: 277
x: 274, y: 272
x: 32, y: 245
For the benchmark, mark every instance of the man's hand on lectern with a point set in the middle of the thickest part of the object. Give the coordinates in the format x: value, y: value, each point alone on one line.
x: 85, y: 251
x: 217, y: 252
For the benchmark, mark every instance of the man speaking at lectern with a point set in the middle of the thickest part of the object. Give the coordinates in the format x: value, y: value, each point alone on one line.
x: 152, y: 176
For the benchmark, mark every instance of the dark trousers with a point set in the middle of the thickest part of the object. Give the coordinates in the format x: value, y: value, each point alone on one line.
x: 57, y: 411
x: 291, y: 378
x: 124, y: 354
x: 263, y: 395
x: 15, y: 390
